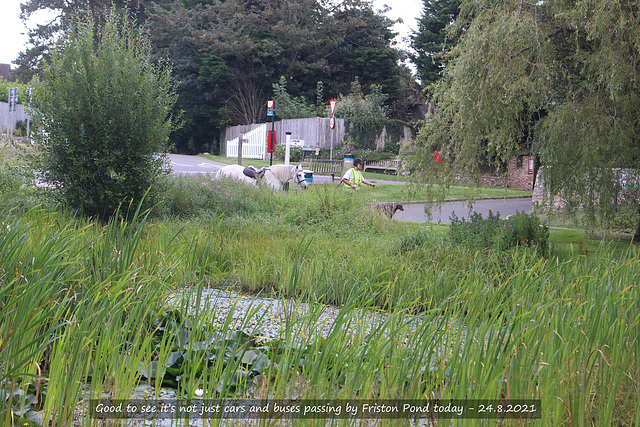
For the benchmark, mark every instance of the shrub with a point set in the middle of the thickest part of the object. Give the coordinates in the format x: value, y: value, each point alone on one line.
x: 524, y: 230
x: 295, y: 153
x: 519, y: 230
x: 476, y: 231
x: 105, y: 113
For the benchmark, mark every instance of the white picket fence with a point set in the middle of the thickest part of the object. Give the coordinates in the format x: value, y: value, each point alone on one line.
x: 254, y: 145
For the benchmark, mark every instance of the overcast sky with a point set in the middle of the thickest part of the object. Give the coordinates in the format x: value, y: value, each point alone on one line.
x: 13, y: 39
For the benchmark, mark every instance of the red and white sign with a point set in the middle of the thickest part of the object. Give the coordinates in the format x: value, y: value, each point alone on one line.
x: 270, y: 104
x: 332, y: 104
x: 332, y: 122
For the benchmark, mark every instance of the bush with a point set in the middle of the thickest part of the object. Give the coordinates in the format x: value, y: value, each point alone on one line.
x: 295, y: 153
x: 476, y: 231
x: 105, y: 113
x: 524, y: 230
x: 519, y: 230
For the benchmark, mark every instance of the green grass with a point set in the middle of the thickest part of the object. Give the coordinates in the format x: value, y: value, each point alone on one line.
x: 83, y: 306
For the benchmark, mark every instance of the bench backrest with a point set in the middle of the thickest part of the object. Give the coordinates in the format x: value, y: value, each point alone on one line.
x: 327, y: 166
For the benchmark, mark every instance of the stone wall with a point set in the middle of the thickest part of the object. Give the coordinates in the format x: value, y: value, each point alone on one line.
x: 628, y: 182
x: 496, y: 181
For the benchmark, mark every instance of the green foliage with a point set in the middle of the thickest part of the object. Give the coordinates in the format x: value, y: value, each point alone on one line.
x: 10, y: 179
x: 413, y: 241
x: 519, y: 230
x: 525, y: 230
x: 194, y: 196
x: 476, y: 232
x: 61, y: 17
x: 364, y: 115
x: 16, y: 182
x: 432, y: 41
x: 91, y: 313
x: 4, y: 91
x: 288, y: 107
x: 331, y: 209
x: 556, y: 79
x: 295, y: 153
x: 105, y: 113
x: 372, y: 156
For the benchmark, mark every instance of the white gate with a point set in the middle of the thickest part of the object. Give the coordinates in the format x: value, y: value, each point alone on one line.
x: 254, y: 145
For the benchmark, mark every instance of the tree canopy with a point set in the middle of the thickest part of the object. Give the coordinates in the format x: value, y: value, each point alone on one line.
x: 432, y: 39
x: 257, y: 43
x: 227, y: 55
x: 559, y: 79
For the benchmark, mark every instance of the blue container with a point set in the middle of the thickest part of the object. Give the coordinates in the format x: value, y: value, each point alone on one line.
x: 308, y: 176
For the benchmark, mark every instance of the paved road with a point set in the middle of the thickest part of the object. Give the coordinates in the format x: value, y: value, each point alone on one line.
x: 189, y: 165
x: 415, y: 211
x: 186, y: 165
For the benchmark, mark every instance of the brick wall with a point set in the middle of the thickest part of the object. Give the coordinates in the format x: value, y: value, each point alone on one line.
x: 521, y: 173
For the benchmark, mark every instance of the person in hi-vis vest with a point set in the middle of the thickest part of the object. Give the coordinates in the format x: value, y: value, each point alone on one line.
x: 353, y: 178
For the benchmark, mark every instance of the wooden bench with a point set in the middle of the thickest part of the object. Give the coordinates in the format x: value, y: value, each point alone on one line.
x: 390, y: 165
x: 327, y: 167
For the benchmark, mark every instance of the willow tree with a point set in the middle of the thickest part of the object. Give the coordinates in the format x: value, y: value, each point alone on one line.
x: 559, y: 79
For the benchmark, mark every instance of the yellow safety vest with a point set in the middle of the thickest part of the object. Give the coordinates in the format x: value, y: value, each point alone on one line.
x: 356, y: 178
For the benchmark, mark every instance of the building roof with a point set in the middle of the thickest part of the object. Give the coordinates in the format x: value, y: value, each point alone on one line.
x: 5, y: 71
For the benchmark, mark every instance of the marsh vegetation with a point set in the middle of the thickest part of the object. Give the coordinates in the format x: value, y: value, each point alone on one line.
x: 85, y: 310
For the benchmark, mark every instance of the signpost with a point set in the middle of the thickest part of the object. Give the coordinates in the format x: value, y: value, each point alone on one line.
x: 332, y: 124
x: 271, y: 137
x: 29, y: 91
x: 13, y: 104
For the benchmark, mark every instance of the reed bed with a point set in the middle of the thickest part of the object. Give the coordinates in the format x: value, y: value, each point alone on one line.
x: 85, y: 314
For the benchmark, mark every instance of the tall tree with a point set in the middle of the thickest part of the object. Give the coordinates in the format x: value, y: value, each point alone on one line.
x: 561, y: 78
x: 260, y: 42
x: 366, y: 50
x: 61, y: 18
x: 431, y: 41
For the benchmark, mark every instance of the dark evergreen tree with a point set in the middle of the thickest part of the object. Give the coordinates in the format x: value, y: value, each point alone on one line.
x: 432, y: 41
x: 227, y: 55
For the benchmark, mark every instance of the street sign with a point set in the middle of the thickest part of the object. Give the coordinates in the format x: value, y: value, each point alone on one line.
x: 332, y: 122
x: 13, y: 98
x: 332, y: 104
x: 270, y: 104
x: 269, y: 112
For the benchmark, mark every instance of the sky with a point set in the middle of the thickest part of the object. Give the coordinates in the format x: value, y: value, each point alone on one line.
x: 13, y: 39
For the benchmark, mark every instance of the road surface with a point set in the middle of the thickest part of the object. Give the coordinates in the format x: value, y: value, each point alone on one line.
x: 415, y: 211
x: 190, y: 165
